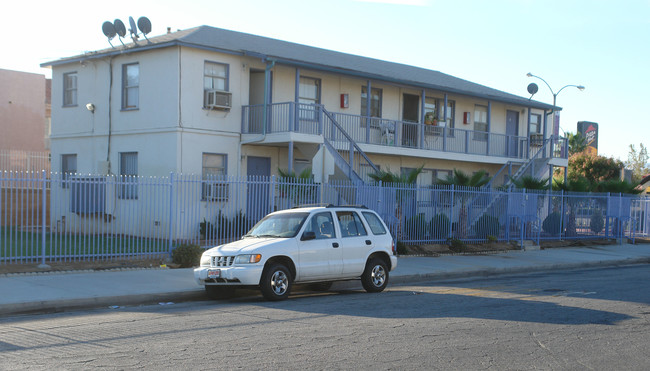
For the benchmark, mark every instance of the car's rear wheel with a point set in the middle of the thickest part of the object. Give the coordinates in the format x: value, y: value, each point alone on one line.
x: 375, y: 276
x: 276, y: 282
x: 219, y: 292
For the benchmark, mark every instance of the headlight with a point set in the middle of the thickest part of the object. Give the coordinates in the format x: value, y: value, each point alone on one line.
x: 248, y: 259
x: 206, y: 260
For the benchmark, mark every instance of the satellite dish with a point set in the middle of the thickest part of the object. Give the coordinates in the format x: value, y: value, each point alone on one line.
x: 119, y: 28
x: 144, y: 24
x: 532, y: 88
x: 134, y: 30
x: 109, y: 30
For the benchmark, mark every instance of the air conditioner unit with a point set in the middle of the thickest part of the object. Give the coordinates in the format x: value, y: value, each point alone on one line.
x: 217, y: 99
x: 216, y: 192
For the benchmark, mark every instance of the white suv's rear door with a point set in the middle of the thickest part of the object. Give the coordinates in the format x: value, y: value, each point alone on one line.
x: 320, y: 257
x: 356, y: 242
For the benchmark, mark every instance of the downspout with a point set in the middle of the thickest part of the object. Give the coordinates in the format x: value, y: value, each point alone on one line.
x: 267, y: 78
x: 110, y: 118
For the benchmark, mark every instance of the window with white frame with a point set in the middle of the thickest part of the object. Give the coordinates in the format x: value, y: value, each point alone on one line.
x: 434, y: 109
x: 309, y: 94
x: 68, y: 168
x: 130, y: 86
x: 375, y: 103
x: 215, y: 76
x: 480, y: 122
x: 70, y: 89
x: 535, y: 123
x: 128, y: 175
x: 214, y: 171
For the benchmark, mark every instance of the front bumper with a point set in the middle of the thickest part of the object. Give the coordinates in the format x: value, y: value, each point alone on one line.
x: 239, y: 275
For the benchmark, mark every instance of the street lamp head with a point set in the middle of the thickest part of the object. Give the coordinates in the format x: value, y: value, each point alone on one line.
x: 529, y: 74
x: 581, y: 87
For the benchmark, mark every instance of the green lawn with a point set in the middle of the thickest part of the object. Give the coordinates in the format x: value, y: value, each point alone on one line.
x: 17, y: 244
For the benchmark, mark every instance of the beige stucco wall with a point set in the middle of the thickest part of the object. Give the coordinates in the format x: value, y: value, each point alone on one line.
x: 23, y: 124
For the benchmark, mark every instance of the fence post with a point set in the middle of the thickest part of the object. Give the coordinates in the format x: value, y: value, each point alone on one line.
x: 272, y: 205
x: 451, y: 225
x: 508, y: 214
x: 171, y: 214
x: 43, y: 219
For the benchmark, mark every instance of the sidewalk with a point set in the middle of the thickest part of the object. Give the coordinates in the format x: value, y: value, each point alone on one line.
x: 24, y: 293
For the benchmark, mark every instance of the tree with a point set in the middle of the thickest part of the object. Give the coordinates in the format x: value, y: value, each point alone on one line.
x: 593, y: 168
x: 390, y: 179
x: 459, y: 178
x: 638, y: 162
x: 577, y: 143
x: 530, y: 182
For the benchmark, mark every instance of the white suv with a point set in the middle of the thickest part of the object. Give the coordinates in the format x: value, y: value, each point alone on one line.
x: 316, y: 245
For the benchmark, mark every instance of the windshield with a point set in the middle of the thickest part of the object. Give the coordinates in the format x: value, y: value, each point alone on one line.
x: 283, y: 225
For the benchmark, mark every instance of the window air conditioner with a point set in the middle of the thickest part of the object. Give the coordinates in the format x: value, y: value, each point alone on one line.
x: 217, y: 99
x: 216, y: 192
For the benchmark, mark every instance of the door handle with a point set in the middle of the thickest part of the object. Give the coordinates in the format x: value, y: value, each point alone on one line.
x: 368, y: 242
x: 335, y: 244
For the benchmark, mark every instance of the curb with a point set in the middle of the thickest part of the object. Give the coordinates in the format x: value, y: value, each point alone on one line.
x: 198, y: 294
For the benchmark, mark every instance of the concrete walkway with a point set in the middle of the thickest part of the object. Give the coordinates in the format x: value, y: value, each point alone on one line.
x: 46, y: 292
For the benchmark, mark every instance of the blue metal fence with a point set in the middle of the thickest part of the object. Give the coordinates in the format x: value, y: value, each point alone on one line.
x: 51, y: 217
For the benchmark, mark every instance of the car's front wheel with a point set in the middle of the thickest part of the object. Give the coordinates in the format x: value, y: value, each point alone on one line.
x: 276, y: 282
x: 375, y: 276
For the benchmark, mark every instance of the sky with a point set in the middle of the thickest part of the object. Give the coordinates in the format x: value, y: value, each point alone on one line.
x: 602, y: 45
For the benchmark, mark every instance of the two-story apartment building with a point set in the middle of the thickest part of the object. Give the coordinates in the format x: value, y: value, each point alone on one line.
x: 212, y: 101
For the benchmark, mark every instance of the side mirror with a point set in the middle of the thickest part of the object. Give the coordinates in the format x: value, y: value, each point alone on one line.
x: 308, y: 236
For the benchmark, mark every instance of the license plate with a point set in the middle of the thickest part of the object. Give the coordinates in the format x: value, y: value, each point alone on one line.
x: 214, y: 273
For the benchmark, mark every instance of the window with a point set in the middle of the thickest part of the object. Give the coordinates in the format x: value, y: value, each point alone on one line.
x: 350, y: 224
x: 480, y: 122
x: 70, y: 89
x: 215, y: 76
x: 375, y: 103
x: 322, y: 226
x: 308, y: 93
x: 535, y: 124
x: 213, y: 170
x: 130, y: 86
x: 68, y: 168
x: 376, y: 226
x: 128, y: 175
x: 434, y: 108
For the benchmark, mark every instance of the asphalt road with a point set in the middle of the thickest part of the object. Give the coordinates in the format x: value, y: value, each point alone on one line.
x: 590, y: 319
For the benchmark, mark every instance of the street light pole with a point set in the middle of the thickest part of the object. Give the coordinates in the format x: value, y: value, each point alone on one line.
x: 580, y: 87
x: 555, y: 94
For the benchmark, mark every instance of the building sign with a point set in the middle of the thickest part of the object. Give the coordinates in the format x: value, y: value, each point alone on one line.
x: 589, y: 131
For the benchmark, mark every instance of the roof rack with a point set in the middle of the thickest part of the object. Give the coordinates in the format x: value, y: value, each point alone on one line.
x: 329, y: 206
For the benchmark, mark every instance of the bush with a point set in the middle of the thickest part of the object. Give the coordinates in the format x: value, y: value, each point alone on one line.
x: 187, y: 256
x: 206, y: 230
x: 222, y: 226
x: 456, y: 245
x: 415, y: 228
x: 597, y: 222
x: 492, y: 238
x: 439, y: 227
x: 240, y: 223
x: 552, y: 224
x: 401, y: 248
x: 487, y: 225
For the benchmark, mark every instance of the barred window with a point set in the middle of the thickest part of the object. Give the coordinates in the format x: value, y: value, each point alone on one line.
x: 214, y: 184
x: 128, y: 175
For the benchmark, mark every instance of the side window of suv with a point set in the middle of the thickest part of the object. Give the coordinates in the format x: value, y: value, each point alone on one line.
x: 322, y: 225
x: 350, y: 224
x: 375, y: 224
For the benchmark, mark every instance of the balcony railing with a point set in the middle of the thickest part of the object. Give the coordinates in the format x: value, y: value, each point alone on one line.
x: 308, y: 119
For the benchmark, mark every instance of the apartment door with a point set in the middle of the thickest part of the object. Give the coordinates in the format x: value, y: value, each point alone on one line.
x: 512, y: 132
x: 257, y: 191
x: 256, y: 98
x: 410, y: 118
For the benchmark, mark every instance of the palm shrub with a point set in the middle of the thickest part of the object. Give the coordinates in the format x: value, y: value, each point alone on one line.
x: 459, y: 178
x: 552, y: 224
x: 487, y: 225
x: 439, y: 227
x: 415, y: 227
